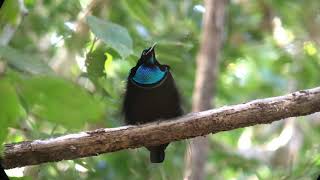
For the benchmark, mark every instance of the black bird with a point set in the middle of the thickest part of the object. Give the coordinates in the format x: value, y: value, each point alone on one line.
x: 151, y: 95
x: 3, y: 175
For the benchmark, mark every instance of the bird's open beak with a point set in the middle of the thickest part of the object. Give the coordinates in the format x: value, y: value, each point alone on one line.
x: 152, y: 48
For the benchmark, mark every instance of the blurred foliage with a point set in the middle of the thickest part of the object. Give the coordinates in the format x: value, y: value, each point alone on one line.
x: 29, y: 64
x: 271, y: 47
x: 43, y: 96
x: 9, y: 13
x: 112, y: 34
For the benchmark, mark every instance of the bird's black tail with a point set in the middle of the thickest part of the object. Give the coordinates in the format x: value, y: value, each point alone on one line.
x: 157, y: 156
x: 3, y: 175
x: 157, y: 153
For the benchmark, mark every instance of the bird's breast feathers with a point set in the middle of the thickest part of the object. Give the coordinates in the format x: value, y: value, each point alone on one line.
x: 147, y: 75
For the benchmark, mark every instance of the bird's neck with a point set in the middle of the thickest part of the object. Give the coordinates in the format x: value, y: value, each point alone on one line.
x: 151, y: 60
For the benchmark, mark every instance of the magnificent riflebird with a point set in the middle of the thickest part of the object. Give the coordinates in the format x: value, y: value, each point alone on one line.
x: 151, y: 95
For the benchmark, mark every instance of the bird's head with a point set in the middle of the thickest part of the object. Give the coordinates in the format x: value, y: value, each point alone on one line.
x: 148, y: 71
x: 148, y: 56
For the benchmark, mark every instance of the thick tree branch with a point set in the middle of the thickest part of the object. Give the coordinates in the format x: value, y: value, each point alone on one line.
x: 92, y: 143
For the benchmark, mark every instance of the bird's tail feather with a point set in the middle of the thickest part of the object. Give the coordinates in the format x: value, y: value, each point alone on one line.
x: 157, y: 156
x: 157, y: 153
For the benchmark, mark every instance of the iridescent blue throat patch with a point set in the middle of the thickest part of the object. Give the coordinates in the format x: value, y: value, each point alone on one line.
x: 148, y: 74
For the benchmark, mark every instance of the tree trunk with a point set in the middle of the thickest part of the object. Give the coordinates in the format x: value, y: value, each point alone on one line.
x: 206, y: 74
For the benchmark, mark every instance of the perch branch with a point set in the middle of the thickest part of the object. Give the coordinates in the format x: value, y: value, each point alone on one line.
x: 93, y: 143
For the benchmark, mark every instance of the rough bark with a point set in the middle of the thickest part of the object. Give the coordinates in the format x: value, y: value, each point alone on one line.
x: 206, y: 75
x: 93, y: 143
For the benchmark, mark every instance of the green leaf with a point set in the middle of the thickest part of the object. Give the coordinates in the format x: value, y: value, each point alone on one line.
x: 108, y: 68
x: 9, y: 13
x: 24, y: 62
x: 114, y: 35
x: 60, y: 101
x: 95, y: 63
x: 10, y: 108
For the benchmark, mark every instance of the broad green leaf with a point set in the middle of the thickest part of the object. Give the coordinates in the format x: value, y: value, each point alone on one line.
x: 9, y: 13
x: 114, y: 35
x: 60, y: 101
x: 10, y: 108
x: 24, y: 62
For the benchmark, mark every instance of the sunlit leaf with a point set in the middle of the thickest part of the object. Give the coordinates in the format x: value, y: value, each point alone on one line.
x: 114, y: 35
x: 108, y: 64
